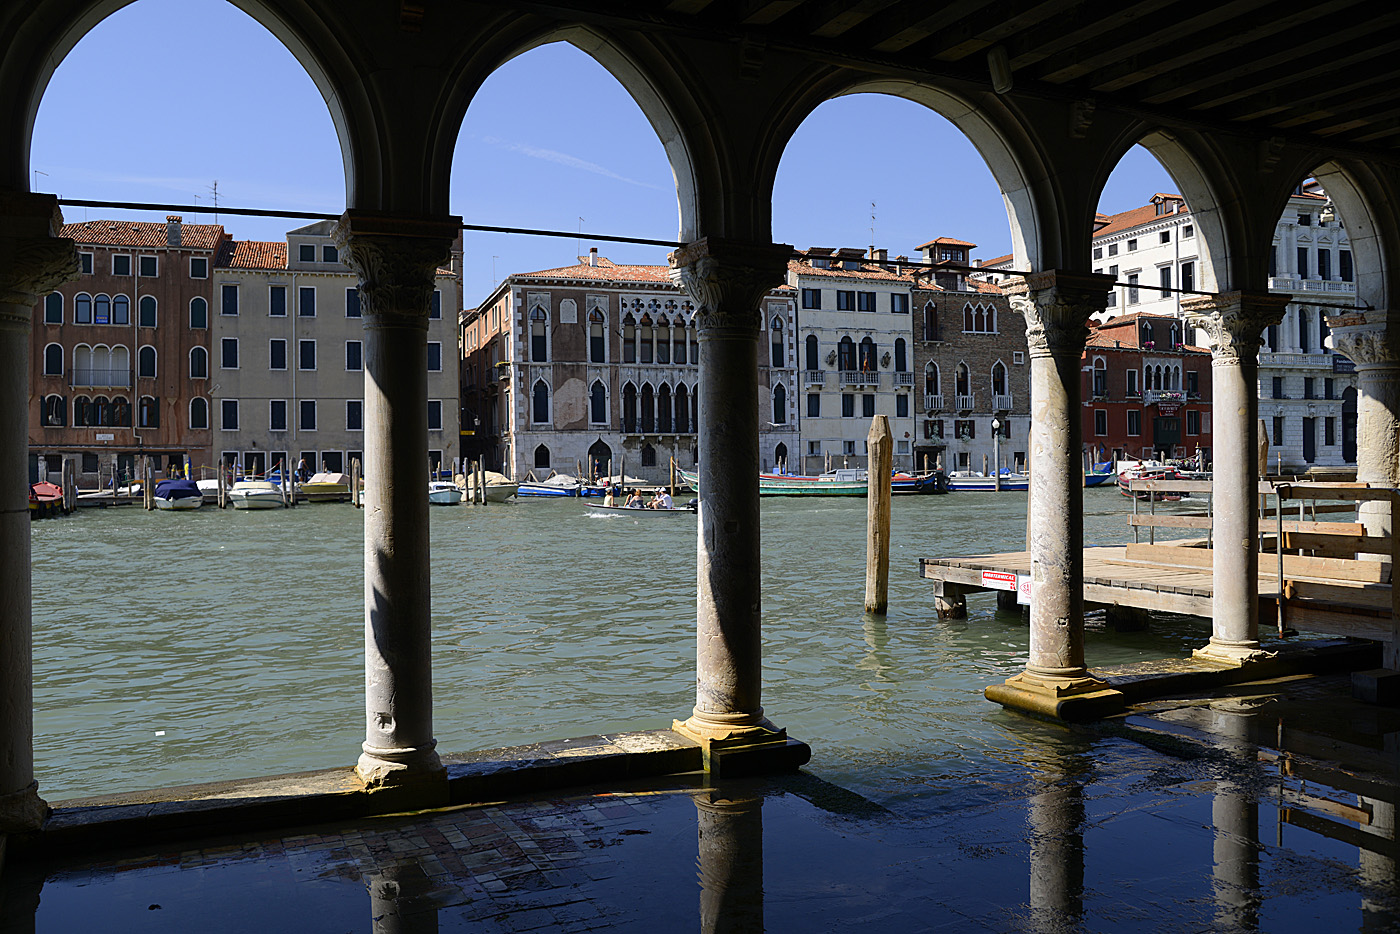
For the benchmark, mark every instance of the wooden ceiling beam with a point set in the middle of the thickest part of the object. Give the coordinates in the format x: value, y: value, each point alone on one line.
x: 763, y: 12
x: 1083, y: 25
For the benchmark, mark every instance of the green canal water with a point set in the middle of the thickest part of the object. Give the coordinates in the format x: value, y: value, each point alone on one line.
x: 185, y: 647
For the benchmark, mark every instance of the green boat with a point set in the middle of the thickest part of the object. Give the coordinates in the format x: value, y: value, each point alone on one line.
x: 845, y: 482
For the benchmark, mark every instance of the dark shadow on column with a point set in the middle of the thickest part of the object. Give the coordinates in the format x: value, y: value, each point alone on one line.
x: 730, y: 861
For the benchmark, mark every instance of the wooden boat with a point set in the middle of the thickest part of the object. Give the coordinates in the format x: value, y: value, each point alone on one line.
x: 557, y: 485
x: 1099, y: 474
x: 45, y: 499
x: 1149, y: 472
x: 960, y: 482
x: 598, y: 509
x: 441, y: 493
x: 845, y: 482
x: 498, y: 487
x: 178, y: 494
x: 255, y: 494
x: 327, y: 488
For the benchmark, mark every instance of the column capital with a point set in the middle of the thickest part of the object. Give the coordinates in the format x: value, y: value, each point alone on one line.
x: 1366, y: 345
x: 34, y: 259
x: 396, y: 257
x: 1235, y: 321
x: 1057, y: 306
x: 728, y: 278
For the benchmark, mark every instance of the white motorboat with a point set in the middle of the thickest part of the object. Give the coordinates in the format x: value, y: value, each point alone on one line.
x: 498, y: 487
x: 441, y: 493
x: 178, y: 494
x: 255, y: 494
x: 327, y: 488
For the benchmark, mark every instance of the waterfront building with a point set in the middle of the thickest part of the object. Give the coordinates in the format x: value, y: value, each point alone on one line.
x: 1147, y: 391
x: 110, y: 352
x: 286, y: 356
x: 580, y: 367
x: 857, y: 355
x: 970, y: 353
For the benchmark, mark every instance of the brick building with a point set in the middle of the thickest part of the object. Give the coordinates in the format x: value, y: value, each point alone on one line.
x: 580, y: 366
x: 1146, y: 391
x: 116, y: 367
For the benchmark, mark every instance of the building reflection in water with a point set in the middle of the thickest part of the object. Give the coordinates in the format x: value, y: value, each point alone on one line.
x: 730, y: 827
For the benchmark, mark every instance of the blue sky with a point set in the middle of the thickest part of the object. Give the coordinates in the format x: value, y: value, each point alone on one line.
x: 528, y: 155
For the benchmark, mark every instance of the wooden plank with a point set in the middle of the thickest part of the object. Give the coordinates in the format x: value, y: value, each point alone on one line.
x: 1170, y: 486
x: 1333, y: 491
x: 1169, y: 555
x: 1318, y: 509
x: 1148, y: 600
x: 1293, y: 565
x: 1337, y: 543
x: 1324, y: 528
x: 1169, y: 521
x: 1374, y: 596
x: 1338, y: 624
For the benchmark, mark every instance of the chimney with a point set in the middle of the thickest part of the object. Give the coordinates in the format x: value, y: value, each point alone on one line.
x: 172, y: 229
x: 593, y: 256
x: 881, y: 257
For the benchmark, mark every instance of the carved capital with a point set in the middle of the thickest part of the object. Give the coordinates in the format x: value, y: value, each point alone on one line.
x: 727, y: 279
x: 23, y: 811
x: 31, y: 268
x: 1057, y: 307
x: 397, y: 261
x: 1366, y: 345
x: 1235, y: 321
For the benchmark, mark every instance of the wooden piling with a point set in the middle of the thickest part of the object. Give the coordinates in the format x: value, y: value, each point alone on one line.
x: 355, y: 482
x: 148, y: 493
x: 877, y: 522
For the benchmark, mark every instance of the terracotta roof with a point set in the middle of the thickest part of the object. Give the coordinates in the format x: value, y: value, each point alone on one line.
x: 869, y: 271
x: 944, y: 241
x: 142, y: 234
x: 997, y: 260
x: 1118, y: 223
x: 1123, y: 333
x: 605, y: 271
x: 252, y: 254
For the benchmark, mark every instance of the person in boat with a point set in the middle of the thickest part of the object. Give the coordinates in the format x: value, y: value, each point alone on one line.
x: 608, y: 499
x: 634, y: 499
x: 662, y: 500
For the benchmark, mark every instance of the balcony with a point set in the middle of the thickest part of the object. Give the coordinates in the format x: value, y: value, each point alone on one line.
x: 967, y: 403
x: 1001, y: 403
x: 87, y: 376
x: 1290, y: 284
x: 856, y: 378
x: 813, y: 378
x: 1170, y: 396
x: 904, y: 379
x: 933, y: 403
x: 1316, y: 360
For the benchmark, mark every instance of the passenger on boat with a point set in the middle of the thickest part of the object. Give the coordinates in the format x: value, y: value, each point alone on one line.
x: 634, y: 499
x: 608, y: 499
x: 662, y: 500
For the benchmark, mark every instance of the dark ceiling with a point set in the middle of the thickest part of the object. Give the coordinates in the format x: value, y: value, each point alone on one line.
x: 1322, y: 70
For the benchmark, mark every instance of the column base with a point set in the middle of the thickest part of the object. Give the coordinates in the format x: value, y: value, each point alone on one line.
x: 1071, y: 695
x: 414, y: 770
x: 1231, y: 654
x: 23, y: 811
x: 748, y: 748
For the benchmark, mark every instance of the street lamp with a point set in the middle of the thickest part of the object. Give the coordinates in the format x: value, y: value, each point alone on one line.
x: 996, y: 453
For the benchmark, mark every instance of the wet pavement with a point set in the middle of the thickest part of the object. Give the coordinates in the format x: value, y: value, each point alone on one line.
x: 1270, y: 808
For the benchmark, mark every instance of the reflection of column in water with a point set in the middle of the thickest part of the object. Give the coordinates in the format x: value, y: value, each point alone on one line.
x: 1377, y: 870
x: 396, y: 901
x: 877, y: 637
x: 19, y: 898
x: 1235, y: 817
x: 731, y: 863
x: 1056, y: 817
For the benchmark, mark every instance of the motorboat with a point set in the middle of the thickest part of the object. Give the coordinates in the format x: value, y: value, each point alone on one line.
x: 556, y: 485
x: 967, y: 482
x: 843, y: 482
x: 442, y: 493
x: 45, y: 499
x: 1099, y: 474
x: 327, y: 488
x: 255, y: 494
x: 499, y: 488
x: 640, y: 512
x: 1145, y: 471
x: 178, y: 493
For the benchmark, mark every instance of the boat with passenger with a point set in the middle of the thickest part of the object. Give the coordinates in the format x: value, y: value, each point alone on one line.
x: 842, y: 482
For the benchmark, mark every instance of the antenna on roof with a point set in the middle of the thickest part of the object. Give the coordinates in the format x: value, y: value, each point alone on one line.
x: 215, y: 189
x: 578, y: 244
x: 872, y: 225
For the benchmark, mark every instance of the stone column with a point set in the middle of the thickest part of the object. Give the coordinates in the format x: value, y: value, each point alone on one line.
x: 1057, y: 306
x: 396, y: 258
x: 33, y: 261
x: 728, y: 279
x: 1235, y: 323
x: 1377, y: 408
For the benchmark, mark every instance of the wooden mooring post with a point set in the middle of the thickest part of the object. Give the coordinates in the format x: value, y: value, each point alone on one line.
x: 355, y: 482
x: 880, y: 466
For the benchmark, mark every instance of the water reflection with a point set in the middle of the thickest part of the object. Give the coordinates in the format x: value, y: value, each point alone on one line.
x: 1235, y: 819
x: 400, y: 900
x: 730, y: 825
x: 1055, y: 817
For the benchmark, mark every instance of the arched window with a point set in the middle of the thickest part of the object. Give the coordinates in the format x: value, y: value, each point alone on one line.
x: 629, y: 339
x: 539, y: 335
x: 998, y: 379
x: 1304, y: 331
x: 901, y: 356
x: 82, y: 309
x: 629, y: 409
x: 53, y: 308
x: 1147, y: 338
x: 963, y: 379
x: 121, y: 310
x: 598, y: 403
x: 779, y: 405
x: 199, y: 313
x: 118, y: 367
x: 148, y: 311
x: 542, y: 457
x: 663, y: 409
x: 846, y: 354
x: 199, y: 412
x: 100, y: 412
x: 648, y: 409
x: 540, y: 408
x: 663, y: 340
x: 969, y: 320
x: 146, y: 362
x: 813, y: 361
x: 648, y: 456
x: 678, y: 342
x: 932, y: 383
x: 53, y: 413
x: 53, y: 360
x: 779, y: 357
x: 597, y: 337
x: 1100, y: 387
x: 780, y: 456
x: 931, y: 332
x: 694, y: 333
x: 148, y: 412
x: 102, y: 310
x: 682, y: 410
x: 868, y: 363
x: 121, y: 412
x: 199, y: 363
x: 82, y: 412
x: 648, y: 340
x: 600, y: 459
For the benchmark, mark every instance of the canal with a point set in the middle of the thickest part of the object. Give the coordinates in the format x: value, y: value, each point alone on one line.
x: 186, y: 647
